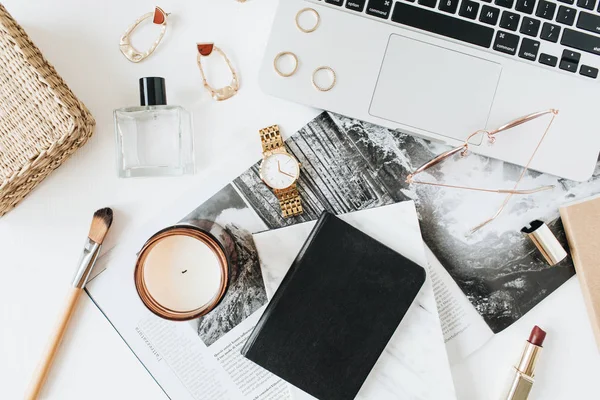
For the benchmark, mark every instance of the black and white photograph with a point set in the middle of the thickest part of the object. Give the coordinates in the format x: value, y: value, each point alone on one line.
x: 349, y: 165
x: 246, y: 291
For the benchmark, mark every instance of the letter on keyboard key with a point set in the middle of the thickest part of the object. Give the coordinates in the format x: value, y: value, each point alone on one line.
x: 530, y: 26
x: 441, y: 24
x: 550, y: 32
x: 489, y: 15
x: 529, y: 49
x: 448, y: 6
x: 506, y: 43
x: 581, y: 41
x: 525, y: 6
x: 589, y: 22
x: 468, y: 9
x: 379, y: 8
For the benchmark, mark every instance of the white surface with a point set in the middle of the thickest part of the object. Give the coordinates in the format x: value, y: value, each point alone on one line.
x: 41, y: 240
x: 419, y: 336
x: 354, y: 46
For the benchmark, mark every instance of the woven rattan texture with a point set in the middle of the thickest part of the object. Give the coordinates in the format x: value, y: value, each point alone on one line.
x: 41, y: 121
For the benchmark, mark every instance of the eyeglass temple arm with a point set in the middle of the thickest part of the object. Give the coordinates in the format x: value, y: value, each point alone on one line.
x: 522, y: 120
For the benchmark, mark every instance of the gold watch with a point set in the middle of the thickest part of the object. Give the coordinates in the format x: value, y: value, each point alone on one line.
x: 280, y: 170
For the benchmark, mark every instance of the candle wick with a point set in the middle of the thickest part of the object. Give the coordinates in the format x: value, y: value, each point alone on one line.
x: 183, y: 272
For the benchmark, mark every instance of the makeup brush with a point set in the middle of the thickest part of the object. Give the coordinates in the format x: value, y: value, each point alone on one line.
x: 98, y: 230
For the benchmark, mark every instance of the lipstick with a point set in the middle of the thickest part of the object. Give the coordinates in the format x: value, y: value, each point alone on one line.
x: 524, y: 371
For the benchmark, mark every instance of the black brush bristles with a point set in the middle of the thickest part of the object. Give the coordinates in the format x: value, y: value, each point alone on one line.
x: 100, y: 224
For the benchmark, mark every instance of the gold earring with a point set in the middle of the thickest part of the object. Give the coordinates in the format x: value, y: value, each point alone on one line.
x: 159, y: 17
x: 224, y: 93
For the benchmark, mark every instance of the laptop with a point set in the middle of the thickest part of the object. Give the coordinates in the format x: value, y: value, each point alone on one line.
x: 442, y: 69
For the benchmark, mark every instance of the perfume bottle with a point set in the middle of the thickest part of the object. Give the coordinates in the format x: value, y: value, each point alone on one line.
x: 154, y: 139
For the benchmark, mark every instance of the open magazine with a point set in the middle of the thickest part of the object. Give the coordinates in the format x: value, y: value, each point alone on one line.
x: 483, y: 283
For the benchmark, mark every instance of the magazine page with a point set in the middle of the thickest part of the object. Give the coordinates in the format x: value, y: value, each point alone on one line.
x: 349, y: 165
x: 199, y: 359
x: 465, y: 331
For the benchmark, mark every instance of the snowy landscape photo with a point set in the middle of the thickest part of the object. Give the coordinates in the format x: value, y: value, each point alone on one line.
x: 349, y: 165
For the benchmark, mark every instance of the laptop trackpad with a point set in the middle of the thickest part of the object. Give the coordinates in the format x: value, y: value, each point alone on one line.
x: 434, y: 89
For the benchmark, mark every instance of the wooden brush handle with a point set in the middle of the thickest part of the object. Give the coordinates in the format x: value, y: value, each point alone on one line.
x: 44, y: 367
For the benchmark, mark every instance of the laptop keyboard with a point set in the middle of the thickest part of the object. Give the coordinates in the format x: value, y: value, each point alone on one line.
x: 513, y: 27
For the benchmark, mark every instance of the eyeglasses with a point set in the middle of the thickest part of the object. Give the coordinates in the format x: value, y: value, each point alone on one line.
x: 463, y: 150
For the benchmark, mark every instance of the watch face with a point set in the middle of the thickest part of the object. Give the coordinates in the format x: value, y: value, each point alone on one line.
x: 279, y: 171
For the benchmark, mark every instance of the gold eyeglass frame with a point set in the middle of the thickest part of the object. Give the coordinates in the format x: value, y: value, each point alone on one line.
x: 226, y: 92
x: 159, y: 17
x: 463, y: 150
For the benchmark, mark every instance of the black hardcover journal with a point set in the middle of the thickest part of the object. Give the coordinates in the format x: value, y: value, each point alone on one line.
x: 335, y: 311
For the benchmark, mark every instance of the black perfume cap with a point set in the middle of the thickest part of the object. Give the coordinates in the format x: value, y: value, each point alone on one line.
x: 153, y: 91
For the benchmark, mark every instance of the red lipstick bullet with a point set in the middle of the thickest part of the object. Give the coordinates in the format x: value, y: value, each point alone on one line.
x: 524, y: 371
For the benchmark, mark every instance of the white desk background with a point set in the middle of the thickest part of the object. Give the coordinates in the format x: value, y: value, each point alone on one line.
x: 41, y: 240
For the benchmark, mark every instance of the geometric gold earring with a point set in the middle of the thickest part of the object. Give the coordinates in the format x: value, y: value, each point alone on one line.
x: 159, y: 17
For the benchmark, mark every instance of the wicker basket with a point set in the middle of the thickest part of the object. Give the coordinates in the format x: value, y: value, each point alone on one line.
x: 41, y: 121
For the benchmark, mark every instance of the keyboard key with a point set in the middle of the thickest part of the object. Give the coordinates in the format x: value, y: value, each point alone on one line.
x: 489, y: 15
x: 487, y: 1
x: 571, y: 56
x: 525, y: 6
x: 506, y: 43
x: 566, y: 15
x: 545, y: 9
x: 504, y: 3
x: 587, y: 4
x: 445, y: 25
x: 356, y: 5
x: 529, y: 49
x: 550, y: 32
x: 379, y: 8
x: 590, y: 72
x: 427, y: 3
x: 509, y: 21
x: 581, y: 41
x: 468, y: 9
x: 530, y: 26
x: 568, y: 66
x: 448, y: 6
x: 567, y: 1
x: 589, y: 22
x: 335, y: 2
x: 547, y: 59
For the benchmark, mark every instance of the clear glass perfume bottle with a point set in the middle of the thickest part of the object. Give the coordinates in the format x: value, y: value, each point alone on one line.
x: 154, y: 139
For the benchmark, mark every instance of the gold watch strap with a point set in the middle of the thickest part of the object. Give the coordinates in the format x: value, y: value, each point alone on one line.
x: 290, y: 201
x: 271, y: 138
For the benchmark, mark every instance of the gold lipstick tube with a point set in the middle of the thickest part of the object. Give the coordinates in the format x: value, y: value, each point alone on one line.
x: 524, y: 373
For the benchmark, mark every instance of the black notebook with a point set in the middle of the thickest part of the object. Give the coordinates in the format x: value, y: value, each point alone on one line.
x: 335, y: 311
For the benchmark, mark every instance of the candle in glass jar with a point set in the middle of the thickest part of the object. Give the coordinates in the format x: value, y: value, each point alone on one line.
x: 182, y: 273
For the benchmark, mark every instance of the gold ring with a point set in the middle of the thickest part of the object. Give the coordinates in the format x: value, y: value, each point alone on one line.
x: 311, y: 10
x: 320, y: 88
x: 282, y: 54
